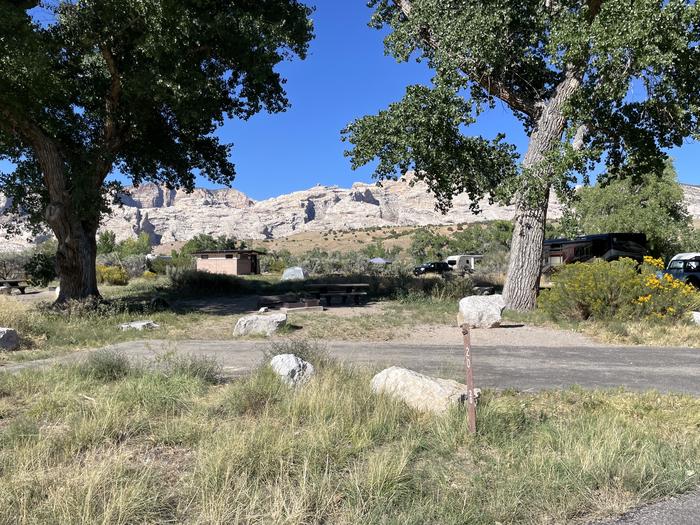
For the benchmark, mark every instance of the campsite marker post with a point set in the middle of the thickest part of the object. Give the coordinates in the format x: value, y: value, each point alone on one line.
x: 471, y: 396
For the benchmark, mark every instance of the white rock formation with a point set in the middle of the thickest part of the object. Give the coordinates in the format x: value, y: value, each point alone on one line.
x: 292, y: 369
x: 481, y: 311
x: 696, y: 317
x: 425, y: 393
x: 173, y: 216
x: 259, y: 324
x: 9, y: 339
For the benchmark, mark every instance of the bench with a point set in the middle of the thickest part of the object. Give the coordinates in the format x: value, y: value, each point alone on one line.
x: 344, y: 291
x: 19, y: 284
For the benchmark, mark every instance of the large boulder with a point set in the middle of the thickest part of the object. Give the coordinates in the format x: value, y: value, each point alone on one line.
x: 428, y: 394
x: 292, y: 369
x: 9, y: 339
x: 295, y: 273
x: 481, y: 311
x: 260, y: 324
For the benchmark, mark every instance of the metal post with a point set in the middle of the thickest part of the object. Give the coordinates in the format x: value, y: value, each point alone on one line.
x: 471, y: 397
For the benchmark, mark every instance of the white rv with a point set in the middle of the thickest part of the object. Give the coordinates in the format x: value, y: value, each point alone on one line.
x: 463, y: 263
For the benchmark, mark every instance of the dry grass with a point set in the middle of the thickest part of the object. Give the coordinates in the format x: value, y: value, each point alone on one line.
x: 110, y: 442
x: 647, y: 333
x: 349, y: 240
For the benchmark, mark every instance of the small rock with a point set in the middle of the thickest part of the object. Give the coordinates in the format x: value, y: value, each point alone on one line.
x: 5, y: 290
x: 292, y: 369
x: 9, y: 339
x: 419, y: 391
x: 260, y: 324
x: 696, y: 317
x: 481, y: 311
x: 57, y: 291
x: 139, y: 325
x: 263, y: 310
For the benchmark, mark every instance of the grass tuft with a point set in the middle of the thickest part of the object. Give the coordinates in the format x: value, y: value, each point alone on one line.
x: 105, y: 365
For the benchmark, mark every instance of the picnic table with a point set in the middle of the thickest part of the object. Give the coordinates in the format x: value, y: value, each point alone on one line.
x: 20, y: 284
x: 327, y: 291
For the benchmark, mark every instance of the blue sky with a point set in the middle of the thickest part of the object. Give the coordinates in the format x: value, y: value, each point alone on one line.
x: 345, y: 76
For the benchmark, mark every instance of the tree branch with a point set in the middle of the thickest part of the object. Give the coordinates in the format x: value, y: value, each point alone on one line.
x: 112, y: 133
x: 493, y: 86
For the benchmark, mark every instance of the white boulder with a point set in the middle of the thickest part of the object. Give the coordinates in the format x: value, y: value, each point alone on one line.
x: 696, y: 317
x: 481, y: 311
x: 292, y: 369
x: 139, y: 325
x: 9, y: 339
x: 260, y: 324
x: 295, y: 273
x: 425, y: 393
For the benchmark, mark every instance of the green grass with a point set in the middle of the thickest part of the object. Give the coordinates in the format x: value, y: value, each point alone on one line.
x: 111, y: 442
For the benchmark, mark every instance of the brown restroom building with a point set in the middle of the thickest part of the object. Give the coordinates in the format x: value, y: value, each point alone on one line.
x: 228, y: 262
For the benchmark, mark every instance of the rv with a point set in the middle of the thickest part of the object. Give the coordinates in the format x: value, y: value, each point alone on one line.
x: 606, y: 246
x: 463, y: 263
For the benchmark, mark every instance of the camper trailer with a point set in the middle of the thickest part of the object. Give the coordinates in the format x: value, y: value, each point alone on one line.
x: 463, y: 263
x: 606, y: 246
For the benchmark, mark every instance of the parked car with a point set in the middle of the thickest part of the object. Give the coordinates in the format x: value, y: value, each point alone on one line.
x: 686, y: 267
x: 432, y: 267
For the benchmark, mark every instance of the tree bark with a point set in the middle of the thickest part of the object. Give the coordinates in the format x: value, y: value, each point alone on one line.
x: 77, y: 246
x: 75, y: 260
x: 525, y: 266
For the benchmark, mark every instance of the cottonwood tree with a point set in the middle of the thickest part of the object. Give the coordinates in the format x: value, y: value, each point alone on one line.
x: 591, y: 81
x: 646, y: 204
x: 134, y: 85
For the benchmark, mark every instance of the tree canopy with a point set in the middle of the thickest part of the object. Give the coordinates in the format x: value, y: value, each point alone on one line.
x: 591, y: 81
x: 138, y: 86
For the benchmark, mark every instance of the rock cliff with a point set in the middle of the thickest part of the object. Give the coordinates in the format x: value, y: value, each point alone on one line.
x: 170, y: 215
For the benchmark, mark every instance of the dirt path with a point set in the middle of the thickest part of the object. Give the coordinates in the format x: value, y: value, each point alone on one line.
x: 516, y: 366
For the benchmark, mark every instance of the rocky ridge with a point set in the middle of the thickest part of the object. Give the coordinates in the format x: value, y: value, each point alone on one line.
x: 174, y: 215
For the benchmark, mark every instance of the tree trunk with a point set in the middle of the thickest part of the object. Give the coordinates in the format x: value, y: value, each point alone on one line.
x: 77, y: 246
x: 75, y: 262
x: 525, y: 266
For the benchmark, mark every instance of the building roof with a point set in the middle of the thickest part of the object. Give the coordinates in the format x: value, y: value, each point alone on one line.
x: 227, y: 252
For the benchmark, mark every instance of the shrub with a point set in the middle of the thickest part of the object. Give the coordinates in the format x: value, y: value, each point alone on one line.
x: 204, y: 283
x: 114, y: 275
x: 149, y: 275
x: 41, y: 269
x: 134, y: 265
x: 604, y: 291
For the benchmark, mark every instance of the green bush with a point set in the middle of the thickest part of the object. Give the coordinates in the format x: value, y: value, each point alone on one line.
x: 604, y: 291
x: 41, y: 269
x: 114, y: 275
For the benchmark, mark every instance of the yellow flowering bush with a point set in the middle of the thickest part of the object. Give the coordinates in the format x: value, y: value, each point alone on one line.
x: 620, y: 290
x: 115, y: 275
